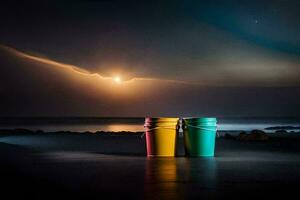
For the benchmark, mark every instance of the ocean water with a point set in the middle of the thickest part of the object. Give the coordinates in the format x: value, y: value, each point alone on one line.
x: 93, y: 124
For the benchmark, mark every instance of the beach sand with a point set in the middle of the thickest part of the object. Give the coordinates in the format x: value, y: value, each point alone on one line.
x: 106, y: 166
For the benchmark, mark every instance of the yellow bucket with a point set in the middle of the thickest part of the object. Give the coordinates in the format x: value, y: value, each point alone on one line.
x: 161, y: 136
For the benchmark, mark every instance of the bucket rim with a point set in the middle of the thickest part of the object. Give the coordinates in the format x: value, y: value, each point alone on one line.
x: 200, y: 119
x: 161, y: 119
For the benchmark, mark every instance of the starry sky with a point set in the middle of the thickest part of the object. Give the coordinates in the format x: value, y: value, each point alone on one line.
x: 221, y: 58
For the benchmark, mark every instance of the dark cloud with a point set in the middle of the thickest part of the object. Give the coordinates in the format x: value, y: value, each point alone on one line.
x: 234, y: 51
x: 37, y: 88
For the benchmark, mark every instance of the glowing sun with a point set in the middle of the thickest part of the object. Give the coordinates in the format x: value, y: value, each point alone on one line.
x: 117, y: 79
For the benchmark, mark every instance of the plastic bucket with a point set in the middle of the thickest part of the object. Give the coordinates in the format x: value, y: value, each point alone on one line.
x: 199, y: 136
x: 161, y: 136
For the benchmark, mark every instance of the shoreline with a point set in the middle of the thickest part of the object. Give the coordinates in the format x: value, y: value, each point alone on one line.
x: 221, y: 133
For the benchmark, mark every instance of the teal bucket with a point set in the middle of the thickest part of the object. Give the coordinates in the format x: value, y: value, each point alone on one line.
x: 199, y: 136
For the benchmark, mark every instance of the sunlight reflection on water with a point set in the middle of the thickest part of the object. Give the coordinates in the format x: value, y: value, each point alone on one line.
x: 81, y: 127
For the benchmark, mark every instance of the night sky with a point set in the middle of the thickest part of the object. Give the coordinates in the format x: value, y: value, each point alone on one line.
x: 186, y: 58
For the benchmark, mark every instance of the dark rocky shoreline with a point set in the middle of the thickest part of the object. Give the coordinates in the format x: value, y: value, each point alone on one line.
x: 254, y: 135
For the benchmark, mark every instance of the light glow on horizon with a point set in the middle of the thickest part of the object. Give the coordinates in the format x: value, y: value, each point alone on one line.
x: 84, y: 72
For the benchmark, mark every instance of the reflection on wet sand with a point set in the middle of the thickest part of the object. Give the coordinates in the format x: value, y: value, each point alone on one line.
x: 161, y: 179
x: 202, y: 171
x: 180, y: 178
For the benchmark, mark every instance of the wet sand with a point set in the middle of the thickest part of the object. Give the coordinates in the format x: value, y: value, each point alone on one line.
x: 102, y: 166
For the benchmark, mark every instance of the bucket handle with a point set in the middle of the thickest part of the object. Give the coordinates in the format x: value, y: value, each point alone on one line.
x: 201, y: 127
x: 164, y: 127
